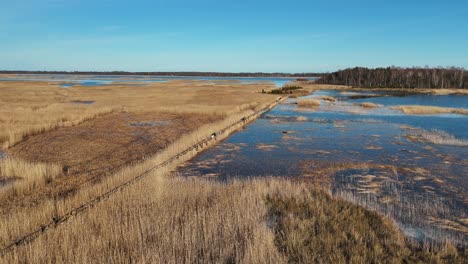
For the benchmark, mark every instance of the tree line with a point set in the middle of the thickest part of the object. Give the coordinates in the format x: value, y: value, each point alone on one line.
x: 191, y: 74
x: 395, y: 77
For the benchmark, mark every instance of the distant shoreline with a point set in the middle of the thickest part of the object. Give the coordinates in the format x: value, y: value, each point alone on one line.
x: 175, y: 74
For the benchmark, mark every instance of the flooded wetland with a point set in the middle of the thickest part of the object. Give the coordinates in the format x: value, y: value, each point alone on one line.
x: 362, y: 147
x: 233, y: 132
x: 244, y: 153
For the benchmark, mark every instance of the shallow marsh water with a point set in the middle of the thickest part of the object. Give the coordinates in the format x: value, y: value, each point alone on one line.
x: 379, y: 158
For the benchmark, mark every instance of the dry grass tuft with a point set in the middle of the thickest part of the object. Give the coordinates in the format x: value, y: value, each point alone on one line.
x: 429, y: 110
x: 327, y: 98
x: 312, y: 227
x: 443, y: 138
x: 301, y: 118
x: 308, y: 103
x: 368, y: 105
x: 265, y: 147
x: 24, y: 176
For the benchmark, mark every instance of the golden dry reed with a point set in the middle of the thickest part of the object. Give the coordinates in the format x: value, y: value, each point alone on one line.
x: 28, y: 108
x: 368, y: 105
x: 43, y: 212
x: 23, y: 177
x: 429, y: 110
x: 309, y: 103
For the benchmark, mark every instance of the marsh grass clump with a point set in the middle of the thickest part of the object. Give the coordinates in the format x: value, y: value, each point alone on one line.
x: 308, y: 103
x: 285, y: 90
x: 26, y: 176
x: 429, y: 110
x: 327, y: 98
x: 313, y: 227
x: 368, y: 105
x: 442, y: 138
x: 301, y: 118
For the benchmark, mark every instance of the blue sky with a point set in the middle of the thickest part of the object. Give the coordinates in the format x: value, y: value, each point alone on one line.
x: 231, y: 36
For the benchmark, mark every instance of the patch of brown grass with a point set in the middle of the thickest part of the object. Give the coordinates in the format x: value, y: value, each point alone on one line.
x: 301, y: 118
x: 368, y: 105
x: 25, y: 176
x: 29, y: 108
x: 41, y: 211
x: 161, y: 220
x: 429, y: 110
x: 327, y: 98
x: 193, y: 220
x: 442, y: 138
x: 266, y: 147
x: 308, y: 103
x: 312, y: 227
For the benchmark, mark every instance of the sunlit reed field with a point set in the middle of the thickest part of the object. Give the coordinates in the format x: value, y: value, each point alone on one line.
x: 163, y: 218
x: 310, y: 103
x: 264, y: 221
x: 429, y: 110
x: 21, y: 176
x: 28, y: 108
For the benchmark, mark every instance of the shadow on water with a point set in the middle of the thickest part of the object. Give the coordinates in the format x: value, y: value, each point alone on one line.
x: 378, y: 158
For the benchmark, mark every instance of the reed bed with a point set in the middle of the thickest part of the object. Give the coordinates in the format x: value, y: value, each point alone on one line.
x: 301, y: 118
x: 327, y: 98
x: 19, y: 123
x: 308, y: 103
x: 429, y: 110
x: 442, y: 138
x: 28, y: 108
x: 43, y: 211
x: 174, y: 220
x: 368, y: 105
x: 24, y: 177
x: 164, y: 221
